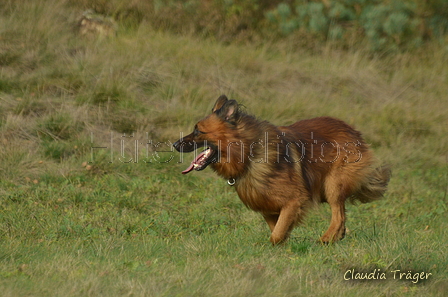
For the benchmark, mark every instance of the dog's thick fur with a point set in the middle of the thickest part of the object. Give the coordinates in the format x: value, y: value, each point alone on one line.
x: 280, y: 171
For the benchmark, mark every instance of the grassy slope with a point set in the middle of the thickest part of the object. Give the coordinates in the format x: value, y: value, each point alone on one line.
x: 143, y: 228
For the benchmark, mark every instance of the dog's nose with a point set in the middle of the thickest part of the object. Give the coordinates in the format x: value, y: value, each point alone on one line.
x: 177, y: 145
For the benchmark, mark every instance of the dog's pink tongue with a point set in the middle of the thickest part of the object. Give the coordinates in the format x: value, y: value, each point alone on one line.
x: 195, y: 162
x: 189, y: 168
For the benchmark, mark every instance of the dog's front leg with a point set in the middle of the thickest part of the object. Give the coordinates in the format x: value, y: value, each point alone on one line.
x: 289, y: 216
x: 271, y: 219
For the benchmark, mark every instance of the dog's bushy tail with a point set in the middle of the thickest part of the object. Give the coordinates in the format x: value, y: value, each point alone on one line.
x: 374, y: 185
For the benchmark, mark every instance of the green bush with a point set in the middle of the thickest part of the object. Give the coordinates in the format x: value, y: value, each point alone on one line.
x: 396, y: 24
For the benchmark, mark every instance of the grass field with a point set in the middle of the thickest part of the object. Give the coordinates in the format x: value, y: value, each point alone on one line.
x: 92, y: 202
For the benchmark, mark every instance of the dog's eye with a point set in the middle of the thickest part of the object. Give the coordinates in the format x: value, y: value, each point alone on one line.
x: 197, y: 131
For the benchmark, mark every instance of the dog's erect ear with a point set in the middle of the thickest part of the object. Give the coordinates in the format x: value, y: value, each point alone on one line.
x: 228, y: 111
x: 220, y: 102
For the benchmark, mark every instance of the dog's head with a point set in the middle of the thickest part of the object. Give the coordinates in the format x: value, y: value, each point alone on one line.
x: 211, y: 132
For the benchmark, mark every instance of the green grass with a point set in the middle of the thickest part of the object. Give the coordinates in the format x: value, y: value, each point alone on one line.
x: 110, y: 228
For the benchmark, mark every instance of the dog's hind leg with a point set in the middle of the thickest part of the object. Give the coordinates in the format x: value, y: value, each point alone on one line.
x: 335, y: 191
x: 336, y: 231
x: 288, y: 218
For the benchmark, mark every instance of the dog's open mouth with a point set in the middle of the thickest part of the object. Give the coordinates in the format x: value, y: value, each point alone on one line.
x: 201, y: 161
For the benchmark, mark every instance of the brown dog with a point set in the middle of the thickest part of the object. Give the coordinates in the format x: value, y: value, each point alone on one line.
x: 280, y: 171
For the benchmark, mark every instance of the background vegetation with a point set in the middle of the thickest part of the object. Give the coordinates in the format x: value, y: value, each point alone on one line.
x: 381, y: 25
x: 92, y: 202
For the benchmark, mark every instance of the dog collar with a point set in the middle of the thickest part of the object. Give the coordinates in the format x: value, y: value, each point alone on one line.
x: 231, y: 181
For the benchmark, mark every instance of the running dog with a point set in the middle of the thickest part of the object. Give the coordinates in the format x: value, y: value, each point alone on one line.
x: 280, y: 171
